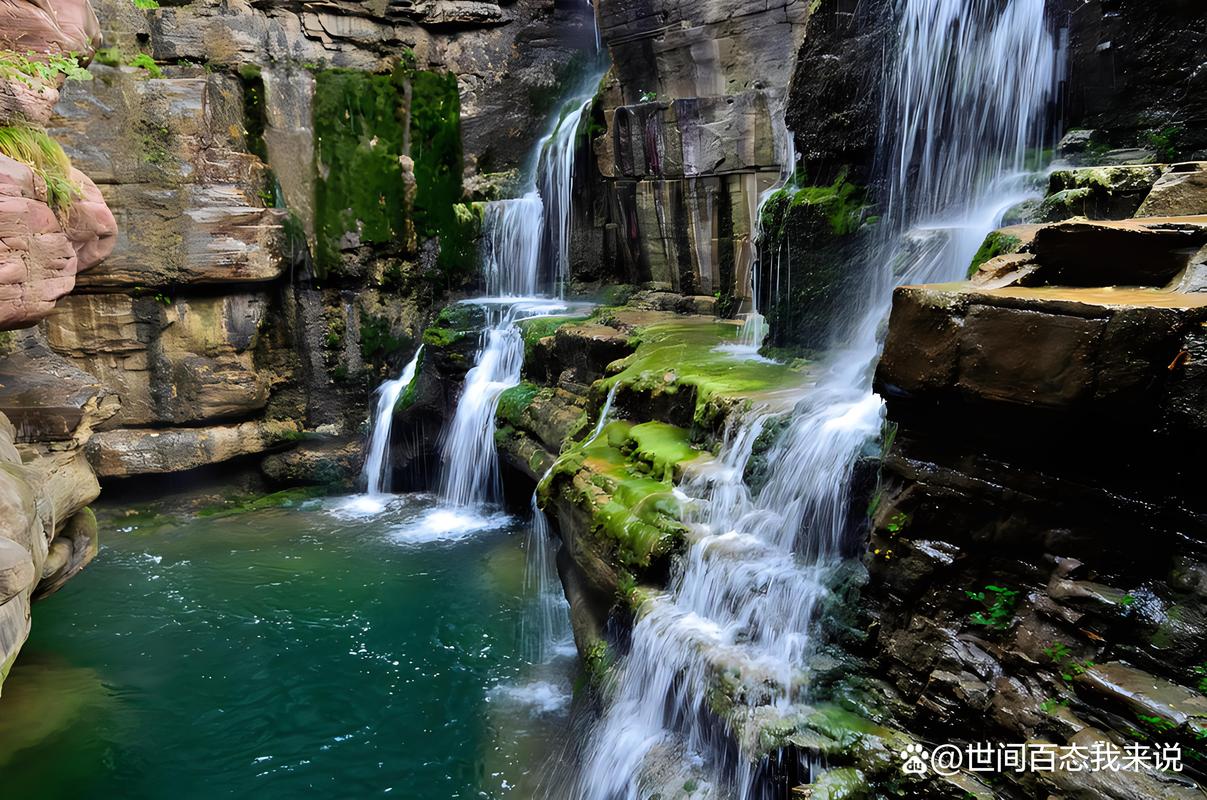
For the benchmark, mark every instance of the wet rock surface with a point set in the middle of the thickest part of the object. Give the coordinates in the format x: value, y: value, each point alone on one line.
x: 1043, y: 417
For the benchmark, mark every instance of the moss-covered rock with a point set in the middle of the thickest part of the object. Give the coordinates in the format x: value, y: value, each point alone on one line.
x: 388, y: 155
x: 677, y: 375
x: 1098, y: 192
x: 996, y: 244
x: 811, y: 239
x: 623, y: 481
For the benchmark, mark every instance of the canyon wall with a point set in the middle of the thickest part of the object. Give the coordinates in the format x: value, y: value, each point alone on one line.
x: 54, y: 226
x: 294, y: 189
x: 688, y: 132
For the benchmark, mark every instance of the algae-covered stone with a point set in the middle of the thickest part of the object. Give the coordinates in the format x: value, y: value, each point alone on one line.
x: 1098, y: 192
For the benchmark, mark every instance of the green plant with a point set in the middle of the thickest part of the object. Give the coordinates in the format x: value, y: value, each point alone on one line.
x: 163, y: 299
x: 648, y: 97
x: 999, y: 602
x: 109, y: 56
x: 34, y: 148
x: 1127, y: 600
x: 1159, y: 724
x: 144, y: 61
x: 1165, y: 141
x: 1062, y: 657
x: 1051, y: 704
x: 146, y: 5
x: 898, y: 523
x: 1201, y: 672
x: 37, y: 69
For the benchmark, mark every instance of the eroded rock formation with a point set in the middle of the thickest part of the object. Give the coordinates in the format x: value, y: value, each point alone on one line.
x: 54, y: 224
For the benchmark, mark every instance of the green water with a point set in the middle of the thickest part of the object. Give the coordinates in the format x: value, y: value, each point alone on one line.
x: 281, y: 653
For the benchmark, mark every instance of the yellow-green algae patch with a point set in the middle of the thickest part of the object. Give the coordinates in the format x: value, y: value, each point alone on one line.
x: 623, y: 481
x: 682, y: 354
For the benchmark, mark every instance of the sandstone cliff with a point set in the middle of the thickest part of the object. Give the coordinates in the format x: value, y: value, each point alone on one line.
x: 54, y: 224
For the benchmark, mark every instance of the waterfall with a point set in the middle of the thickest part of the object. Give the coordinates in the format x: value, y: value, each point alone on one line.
x: 376, y: 472
x: 525, y: 267
x: 966, y: 98
x: 754, y: 328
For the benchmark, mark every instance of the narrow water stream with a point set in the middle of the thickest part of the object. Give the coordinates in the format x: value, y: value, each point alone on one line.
x: 280, y: 653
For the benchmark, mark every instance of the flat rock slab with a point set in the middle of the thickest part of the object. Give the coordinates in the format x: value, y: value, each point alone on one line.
x: 132, y: 451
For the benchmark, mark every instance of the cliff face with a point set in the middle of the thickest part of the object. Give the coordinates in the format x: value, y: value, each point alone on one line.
x: 690, y: 132
x: 293, y: 189
x: 54, y: 224
x: 290, y: 190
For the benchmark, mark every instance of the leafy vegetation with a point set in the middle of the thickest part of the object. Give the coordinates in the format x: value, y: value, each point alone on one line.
x: 999, y: 602
x: 34, y: 148
x: 146, y: 5
x: 114, y: 57
x: 35, y: 69
x: 1165, y: 142
x: 995, y: 244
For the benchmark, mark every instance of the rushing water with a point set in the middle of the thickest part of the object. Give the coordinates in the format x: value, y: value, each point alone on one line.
x: 285, y: 653
x: 525, y: 266
x: 376, y: 472
x: 965, y: 104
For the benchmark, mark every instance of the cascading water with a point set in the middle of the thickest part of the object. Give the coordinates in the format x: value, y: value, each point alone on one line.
x: 754, y: 328
x: 965, y: 103
x: 525, y: 267
x: 376, y: 472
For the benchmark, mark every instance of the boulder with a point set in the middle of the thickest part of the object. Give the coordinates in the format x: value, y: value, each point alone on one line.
x: 1098, y: 192
x: 41, y: 26
x: 1180, y: 191
x: 324, y: 462
x: 40, y: 253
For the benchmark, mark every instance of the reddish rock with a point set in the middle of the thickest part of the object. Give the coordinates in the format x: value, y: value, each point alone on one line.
x: 39, y: 253
x: 43, y: 26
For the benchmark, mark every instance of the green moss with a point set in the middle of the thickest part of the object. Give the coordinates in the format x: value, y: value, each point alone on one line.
x: 34, y: 148
x: 109, y: 56
x: 435, y: 126
x: 407, y: 398
x: 453, y: 324
x: 377, y: 339
x: 359, y: 126
x: 537, y: 328
x: 661, y: 446
x: 636, y: 516
x: 364, y: 124
x: 436, y: 336
x: 515, y: 400
x: 284, y: 499
x: 842, y: 203
x: 681, y: 355
x: 995, y: 244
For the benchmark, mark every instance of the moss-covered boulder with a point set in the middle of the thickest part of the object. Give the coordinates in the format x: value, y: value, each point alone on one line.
x: 1098, y: 192
x: 811, y: 239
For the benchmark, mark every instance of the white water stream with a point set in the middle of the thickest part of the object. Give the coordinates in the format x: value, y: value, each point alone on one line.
x: 966, y: 101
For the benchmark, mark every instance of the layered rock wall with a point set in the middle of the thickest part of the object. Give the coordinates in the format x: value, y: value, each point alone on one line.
x: 54, y: 225
x: 688, y: 133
